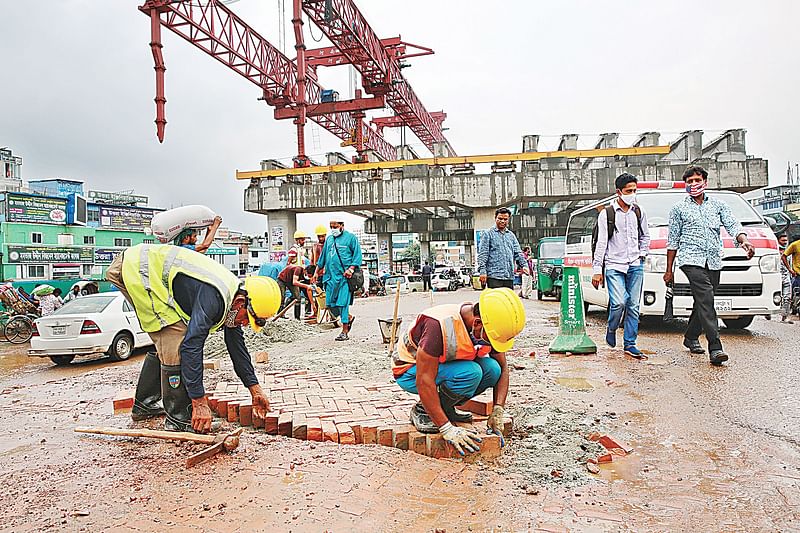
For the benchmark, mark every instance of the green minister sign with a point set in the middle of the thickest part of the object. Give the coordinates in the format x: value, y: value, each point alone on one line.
x: 50, y: 254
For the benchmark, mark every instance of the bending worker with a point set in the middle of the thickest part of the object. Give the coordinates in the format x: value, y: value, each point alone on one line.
x: 188, y: 237
x: 454, y: 352
x: 180, y: 297
x: 292, y: 279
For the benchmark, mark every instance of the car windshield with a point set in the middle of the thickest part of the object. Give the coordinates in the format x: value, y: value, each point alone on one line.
x: 86, y: 304
x: 551, y: 250
x: 658, y: 204
x: 394, y: 280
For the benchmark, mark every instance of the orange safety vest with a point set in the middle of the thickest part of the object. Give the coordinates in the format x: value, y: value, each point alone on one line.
x: 456, y: 340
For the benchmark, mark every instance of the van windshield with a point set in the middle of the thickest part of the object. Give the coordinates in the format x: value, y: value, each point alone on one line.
x: 658, y: 204
x: 551, y: 250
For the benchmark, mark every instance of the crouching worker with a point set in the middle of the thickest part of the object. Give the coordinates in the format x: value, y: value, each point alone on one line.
x: 454, y: 352
x: 181, y: 296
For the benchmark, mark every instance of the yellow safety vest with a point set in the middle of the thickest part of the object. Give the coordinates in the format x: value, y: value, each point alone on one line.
x: 148, y: 271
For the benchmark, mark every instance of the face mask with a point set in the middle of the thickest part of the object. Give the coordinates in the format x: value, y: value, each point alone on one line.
x: 696, y: 189
x: 628, y: 198
x: 336, y: 232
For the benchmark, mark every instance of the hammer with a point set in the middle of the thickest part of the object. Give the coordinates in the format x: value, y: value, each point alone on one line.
x: 226, y: 441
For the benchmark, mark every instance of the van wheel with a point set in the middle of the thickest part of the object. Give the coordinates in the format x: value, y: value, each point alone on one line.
x: 62, y: 360
x: 738, y: 323
x: 539, y: 294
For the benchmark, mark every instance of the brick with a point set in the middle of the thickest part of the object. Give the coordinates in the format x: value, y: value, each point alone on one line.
x: 271, y: 423
x: 233, y: 411
x: 369, y: 434
x: 222, y: 406
x: 477, y: 406
x: 356, y: 427
x: 490, y: 449
x: 233, y: 388
x: 508, y: 426
x: 329, y: 432
x: 438, y: 448
x: 315, y: 401
x: 314, y: 430
x: 222, y: 386
x: 299, y: 427
x: 386, y: 436
x: 401, y: 437
x: 123, y: 402
x: 605, y: 458
x: 346, y: 435
x: 212, y: 402
x: 285, y: 424
x: 342, y: 405
x: 258, y: 422
x: 262, y: 357
x: 330, y: 404
x: 246, y: 413
x: 211, y: 364
x: 610, y: 443
x: 417, y: 442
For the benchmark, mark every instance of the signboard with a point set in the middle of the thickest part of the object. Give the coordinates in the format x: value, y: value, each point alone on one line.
x: 225, y: 250
x: 36, y: 209
x: 129, y: 218
x: 105, y: 255
x: 117, y: 197
x: 50, y: 254
x: 277, y: 239
x: 56, y: 187
x: 383, y: 255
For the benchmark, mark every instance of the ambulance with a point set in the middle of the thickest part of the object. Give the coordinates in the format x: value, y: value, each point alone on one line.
x: 747, y: 288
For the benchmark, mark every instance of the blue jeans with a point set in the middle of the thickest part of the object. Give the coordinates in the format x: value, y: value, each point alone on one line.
x: 465, y: 378
x: 624, y: 293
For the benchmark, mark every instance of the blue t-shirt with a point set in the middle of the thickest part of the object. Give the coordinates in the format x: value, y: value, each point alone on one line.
x: 189, y: 246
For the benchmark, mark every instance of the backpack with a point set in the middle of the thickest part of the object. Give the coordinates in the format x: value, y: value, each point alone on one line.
x: 611, y: 218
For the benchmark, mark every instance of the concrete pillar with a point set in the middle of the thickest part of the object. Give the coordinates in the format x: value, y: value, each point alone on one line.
x: 281, y: 226
x: 424, y: 249
x: 405, y: 152
x: 530, y: 143
x: 384, y: 252
x: 482, y: 220
x: 569, y: 141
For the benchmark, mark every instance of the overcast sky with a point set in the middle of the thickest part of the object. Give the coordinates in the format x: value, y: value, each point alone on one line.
x: 77, y: 86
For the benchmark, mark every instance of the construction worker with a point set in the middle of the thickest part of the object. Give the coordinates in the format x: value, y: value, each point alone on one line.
x: 299, y: 246
x: 188, y: 237
x: 292, y: 279
x: 316, y: 250
x: 340, y: 257
x: 454, y: 352
x: 180, y: 297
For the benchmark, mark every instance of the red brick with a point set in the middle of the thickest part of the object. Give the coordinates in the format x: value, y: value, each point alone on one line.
x: 605, y: 458
x: 258, y: 422
x: 329, y: 432
x: 386, y: 436
x: 508, y: 426
x: 262, y: 357
x: 233, y: 411
x: 211, y: 364
x: 246, y: 413
x: 490, y: 449
x: 356, y: 427
x: 212, y: 402
x: 610, y: 443
x: 271, y: 423
x: 369, y: 433
x: 417, y: 442
x: 401, y: 437
x: 314, y: 429
x: 123, y: 402
x: 222, y: 386
x: 479, y: 407
x: 299, y: 427
x: 315, y: 401
x: 222, y: 406
x: 346, y: 435
x: 438, y: 448
x: 285, y: 424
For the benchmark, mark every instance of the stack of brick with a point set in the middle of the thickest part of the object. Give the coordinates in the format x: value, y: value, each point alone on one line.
x: 323, y: 407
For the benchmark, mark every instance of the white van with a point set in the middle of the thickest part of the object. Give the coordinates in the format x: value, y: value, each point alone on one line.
x: 748, y: 287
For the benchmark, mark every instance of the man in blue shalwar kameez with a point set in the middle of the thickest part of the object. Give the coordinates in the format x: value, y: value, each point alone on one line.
x: 341, y: 255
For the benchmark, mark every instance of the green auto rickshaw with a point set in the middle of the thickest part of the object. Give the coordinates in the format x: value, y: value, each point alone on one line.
x: 549, y: 267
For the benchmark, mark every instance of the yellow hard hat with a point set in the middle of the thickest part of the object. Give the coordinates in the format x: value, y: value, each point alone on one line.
x: 264, y: 297
x: 300, y: 235
x: 321, y: 230
x: 503, y: 317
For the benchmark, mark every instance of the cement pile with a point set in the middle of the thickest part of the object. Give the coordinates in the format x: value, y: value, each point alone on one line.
x: 287, y: 330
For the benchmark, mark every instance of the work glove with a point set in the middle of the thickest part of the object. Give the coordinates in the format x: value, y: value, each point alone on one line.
x: 461, y: 438
x: 495, y: 422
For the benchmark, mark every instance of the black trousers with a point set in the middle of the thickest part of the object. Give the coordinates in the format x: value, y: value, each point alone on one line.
x: 295, y: 292
x: 426, y: 283
x: 494, y: 283
x: 703, y: 283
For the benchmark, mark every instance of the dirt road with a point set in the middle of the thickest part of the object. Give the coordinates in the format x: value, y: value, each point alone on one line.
x: 715, y: 448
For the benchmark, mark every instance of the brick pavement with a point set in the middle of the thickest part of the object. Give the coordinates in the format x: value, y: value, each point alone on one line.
x: 326, y: 407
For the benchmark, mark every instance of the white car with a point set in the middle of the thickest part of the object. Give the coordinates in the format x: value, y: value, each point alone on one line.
x: 443, y: 282
x: 94, y: 324
x: 406, y: 282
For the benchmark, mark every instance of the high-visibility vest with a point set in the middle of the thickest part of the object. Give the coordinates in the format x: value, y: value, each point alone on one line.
x: 148, y: 271
x: 456, y: 340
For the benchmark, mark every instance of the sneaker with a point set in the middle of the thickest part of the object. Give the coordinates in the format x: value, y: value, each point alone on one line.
x: 718, y: 357
x: 633, y: 351
x: 694, y: 346
x: 342, y: 337
x: 611, y: 338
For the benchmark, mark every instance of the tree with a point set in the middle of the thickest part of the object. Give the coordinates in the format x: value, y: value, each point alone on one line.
x: 411, y: 253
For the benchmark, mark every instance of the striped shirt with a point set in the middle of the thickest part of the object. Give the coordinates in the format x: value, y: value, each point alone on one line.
x: 694, y: 231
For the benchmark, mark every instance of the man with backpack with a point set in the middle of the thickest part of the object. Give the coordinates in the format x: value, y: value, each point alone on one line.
x: 619, y: 248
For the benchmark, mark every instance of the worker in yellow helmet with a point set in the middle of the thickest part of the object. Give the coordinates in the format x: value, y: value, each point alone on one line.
x: 454, y: 352
x: 180, y: 297
x: 316, y: 250
x: 299, y: 246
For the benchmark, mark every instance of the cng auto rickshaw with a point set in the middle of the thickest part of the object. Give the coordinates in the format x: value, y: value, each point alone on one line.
x: 549, y: 267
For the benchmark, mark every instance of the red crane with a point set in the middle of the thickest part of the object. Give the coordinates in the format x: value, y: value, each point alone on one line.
x: 291, y: 86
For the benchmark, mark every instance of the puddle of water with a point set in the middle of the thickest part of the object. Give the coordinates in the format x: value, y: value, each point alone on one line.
x: 658, y: 360
x: 622, y: 468
x: 575, y: 383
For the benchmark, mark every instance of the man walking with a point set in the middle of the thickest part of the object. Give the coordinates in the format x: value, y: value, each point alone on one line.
x: 786, y: 279
x: 340, y: 257
x: 426, y: 276
x: 695, y: 246
x: 527, y: 279
x: 622, y: 245
x: 454, y: 352
x: 498, y: 251
x: 793, y: 268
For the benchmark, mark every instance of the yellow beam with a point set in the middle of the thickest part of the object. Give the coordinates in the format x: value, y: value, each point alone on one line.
x: 461, y: 160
